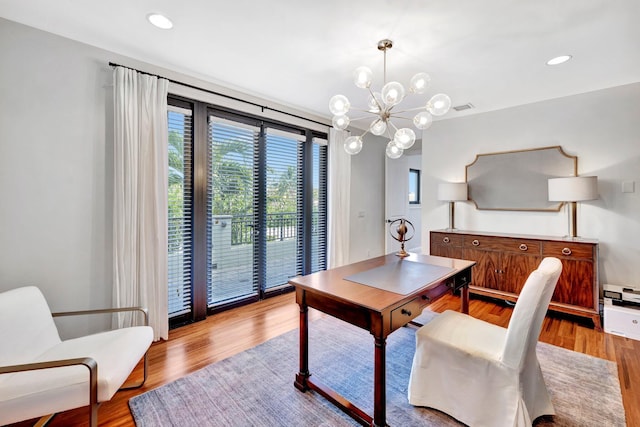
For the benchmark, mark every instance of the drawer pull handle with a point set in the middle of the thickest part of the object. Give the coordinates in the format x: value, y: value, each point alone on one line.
x: 523, y: 247
x: 446, y: 239
x: 405, y: 311
x: 566, y: 251
x: 475, y: 243
x: 426, y: 298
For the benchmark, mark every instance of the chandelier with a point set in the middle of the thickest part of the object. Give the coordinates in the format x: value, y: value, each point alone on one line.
x: 382, y: 106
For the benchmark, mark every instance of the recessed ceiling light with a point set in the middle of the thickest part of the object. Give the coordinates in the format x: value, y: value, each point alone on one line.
x: 559, y: 60
x: 160, y: 21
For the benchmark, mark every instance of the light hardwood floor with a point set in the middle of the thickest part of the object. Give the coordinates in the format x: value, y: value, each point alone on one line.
x: 194, y: 346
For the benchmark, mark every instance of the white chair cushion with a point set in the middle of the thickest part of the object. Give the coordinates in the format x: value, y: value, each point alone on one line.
x: 31, y: 394
x: 465, y: 333
x: 26, y: 326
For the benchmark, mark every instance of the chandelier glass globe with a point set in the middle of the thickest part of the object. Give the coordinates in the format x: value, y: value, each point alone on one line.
x: 439, y: 104
x: 362, y: 77
x: 393, y: 151
x: 340, y: 122
x: 339, y: 105
x: 374, y: 102
x: 378, y: 127
x: 353, y: 144
x: 419, y: 83
x: 392, y: 93
x: 423, y: 120
x: 404, y: 138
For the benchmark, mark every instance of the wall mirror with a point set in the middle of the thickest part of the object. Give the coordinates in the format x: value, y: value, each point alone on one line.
x: 517, y: 180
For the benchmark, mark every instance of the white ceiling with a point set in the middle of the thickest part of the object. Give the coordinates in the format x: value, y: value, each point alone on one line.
x: 490, y: 53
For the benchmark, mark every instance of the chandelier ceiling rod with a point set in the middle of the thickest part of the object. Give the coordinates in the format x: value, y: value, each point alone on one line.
x: 384, y: 45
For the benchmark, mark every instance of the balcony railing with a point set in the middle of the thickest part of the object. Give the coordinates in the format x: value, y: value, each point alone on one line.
x: 280, y: 226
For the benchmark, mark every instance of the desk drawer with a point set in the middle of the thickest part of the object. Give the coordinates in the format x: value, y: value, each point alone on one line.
x: 410, y: 310
x: 405, y: 313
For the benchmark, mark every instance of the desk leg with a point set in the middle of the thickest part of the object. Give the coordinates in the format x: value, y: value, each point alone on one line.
x: 380, y: 386
x: 301, y: 377
x: 464, y: 299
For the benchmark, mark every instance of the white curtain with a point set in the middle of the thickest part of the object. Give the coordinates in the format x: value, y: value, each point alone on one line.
x: 339, y: 183
x: 140, y: 197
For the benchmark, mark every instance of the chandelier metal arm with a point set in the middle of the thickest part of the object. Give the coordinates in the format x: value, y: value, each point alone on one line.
x: 410, y: 110
x: 361, y: 118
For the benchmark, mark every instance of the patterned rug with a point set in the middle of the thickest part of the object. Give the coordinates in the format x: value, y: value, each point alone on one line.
x: 255, y: 387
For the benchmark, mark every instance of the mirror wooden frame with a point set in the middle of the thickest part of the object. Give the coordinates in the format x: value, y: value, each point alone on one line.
x: 517, y: 180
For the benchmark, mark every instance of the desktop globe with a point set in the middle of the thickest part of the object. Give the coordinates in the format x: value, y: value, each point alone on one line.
x: 402, y: 230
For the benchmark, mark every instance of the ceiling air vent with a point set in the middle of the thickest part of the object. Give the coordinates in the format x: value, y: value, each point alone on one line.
x: 463, y: 107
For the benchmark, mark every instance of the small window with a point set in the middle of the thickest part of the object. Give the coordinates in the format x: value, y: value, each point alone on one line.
x: 414, y: 186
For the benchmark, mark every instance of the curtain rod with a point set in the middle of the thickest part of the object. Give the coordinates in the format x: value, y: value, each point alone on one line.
x: 263, y: 107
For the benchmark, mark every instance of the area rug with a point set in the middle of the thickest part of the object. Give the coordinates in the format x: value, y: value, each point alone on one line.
x: 255, y: 387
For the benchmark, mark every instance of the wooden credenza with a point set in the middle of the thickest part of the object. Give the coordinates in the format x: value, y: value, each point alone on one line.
x: 504, y: 261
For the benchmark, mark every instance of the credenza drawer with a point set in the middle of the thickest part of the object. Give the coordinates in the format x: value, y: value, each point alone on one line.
x: 502, y: 244
x: 567, y: 249
x: 446, y: 239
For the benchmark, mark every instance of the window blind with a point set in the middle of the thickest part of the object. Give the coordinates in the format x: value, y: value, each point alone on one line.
x: 180, y: 207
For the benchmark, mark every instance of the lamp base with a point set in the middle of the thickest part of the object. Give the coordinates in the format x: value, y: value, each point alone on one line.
x: 573, y: 238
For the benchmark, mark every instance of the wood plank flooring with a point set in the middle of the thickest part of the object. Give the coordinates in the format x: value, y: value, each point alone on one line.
x: 194, y: 346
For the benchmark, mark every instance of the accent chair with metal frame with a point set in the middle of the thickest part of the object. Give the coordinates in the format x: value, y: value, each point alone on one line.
x: 40, y: 374
x: 483, y: 374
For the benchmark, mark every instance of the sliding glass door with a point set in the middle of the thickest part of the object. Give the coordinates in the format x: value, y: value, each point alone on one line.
x: 232, y: 187
x: 247, y: 208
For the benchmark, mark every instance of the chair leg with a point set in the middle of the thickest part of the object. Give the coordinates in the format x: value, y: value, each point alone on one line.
x: 144, y: 379
x: 93, y: 415
x: 43, y: 421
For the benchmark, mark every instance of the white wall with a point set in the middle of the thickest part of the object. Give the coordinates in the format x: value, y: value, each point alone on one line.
x: 367, y: 199
x: 602, y: 128
x: 414, y: 212
x: 54, y: 214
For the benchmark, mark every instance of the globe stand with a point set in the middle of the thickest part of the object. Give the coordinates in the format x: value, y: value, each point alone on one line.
x: 401, y: 231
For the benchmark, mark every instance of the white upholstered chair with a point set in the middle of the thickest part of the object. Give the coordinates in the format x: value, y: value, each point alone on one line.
x: 40, y: 374
x: 482, y: 374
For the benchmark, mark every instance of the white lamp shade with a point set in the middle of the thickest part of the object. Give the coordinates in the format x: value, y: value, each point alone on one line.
x: 573, y: 189
x: 452, y: 191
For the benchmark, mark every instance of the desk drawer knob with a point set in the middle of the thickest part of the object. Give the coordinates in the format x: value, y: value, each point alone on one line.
x: 476, y: 242
x: 405, y: 311
x: 426, y: 298
x: 446, y: 239
x: 566, y: 251
x: 523, y: 247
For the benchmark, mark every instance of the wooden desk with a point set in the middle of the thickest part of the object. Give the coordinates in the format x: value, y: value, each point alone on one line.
x: 376, y: 310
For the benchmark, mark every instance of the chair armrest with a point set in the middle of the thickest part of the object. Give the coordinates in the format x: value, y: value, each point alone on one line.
x: 103, y: 311
x: 89, y: 362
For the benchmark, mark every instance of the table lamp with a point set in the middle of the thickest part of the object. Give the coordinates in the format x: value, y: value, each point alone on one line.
x: 452, y: 192
x: 571, y: 190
